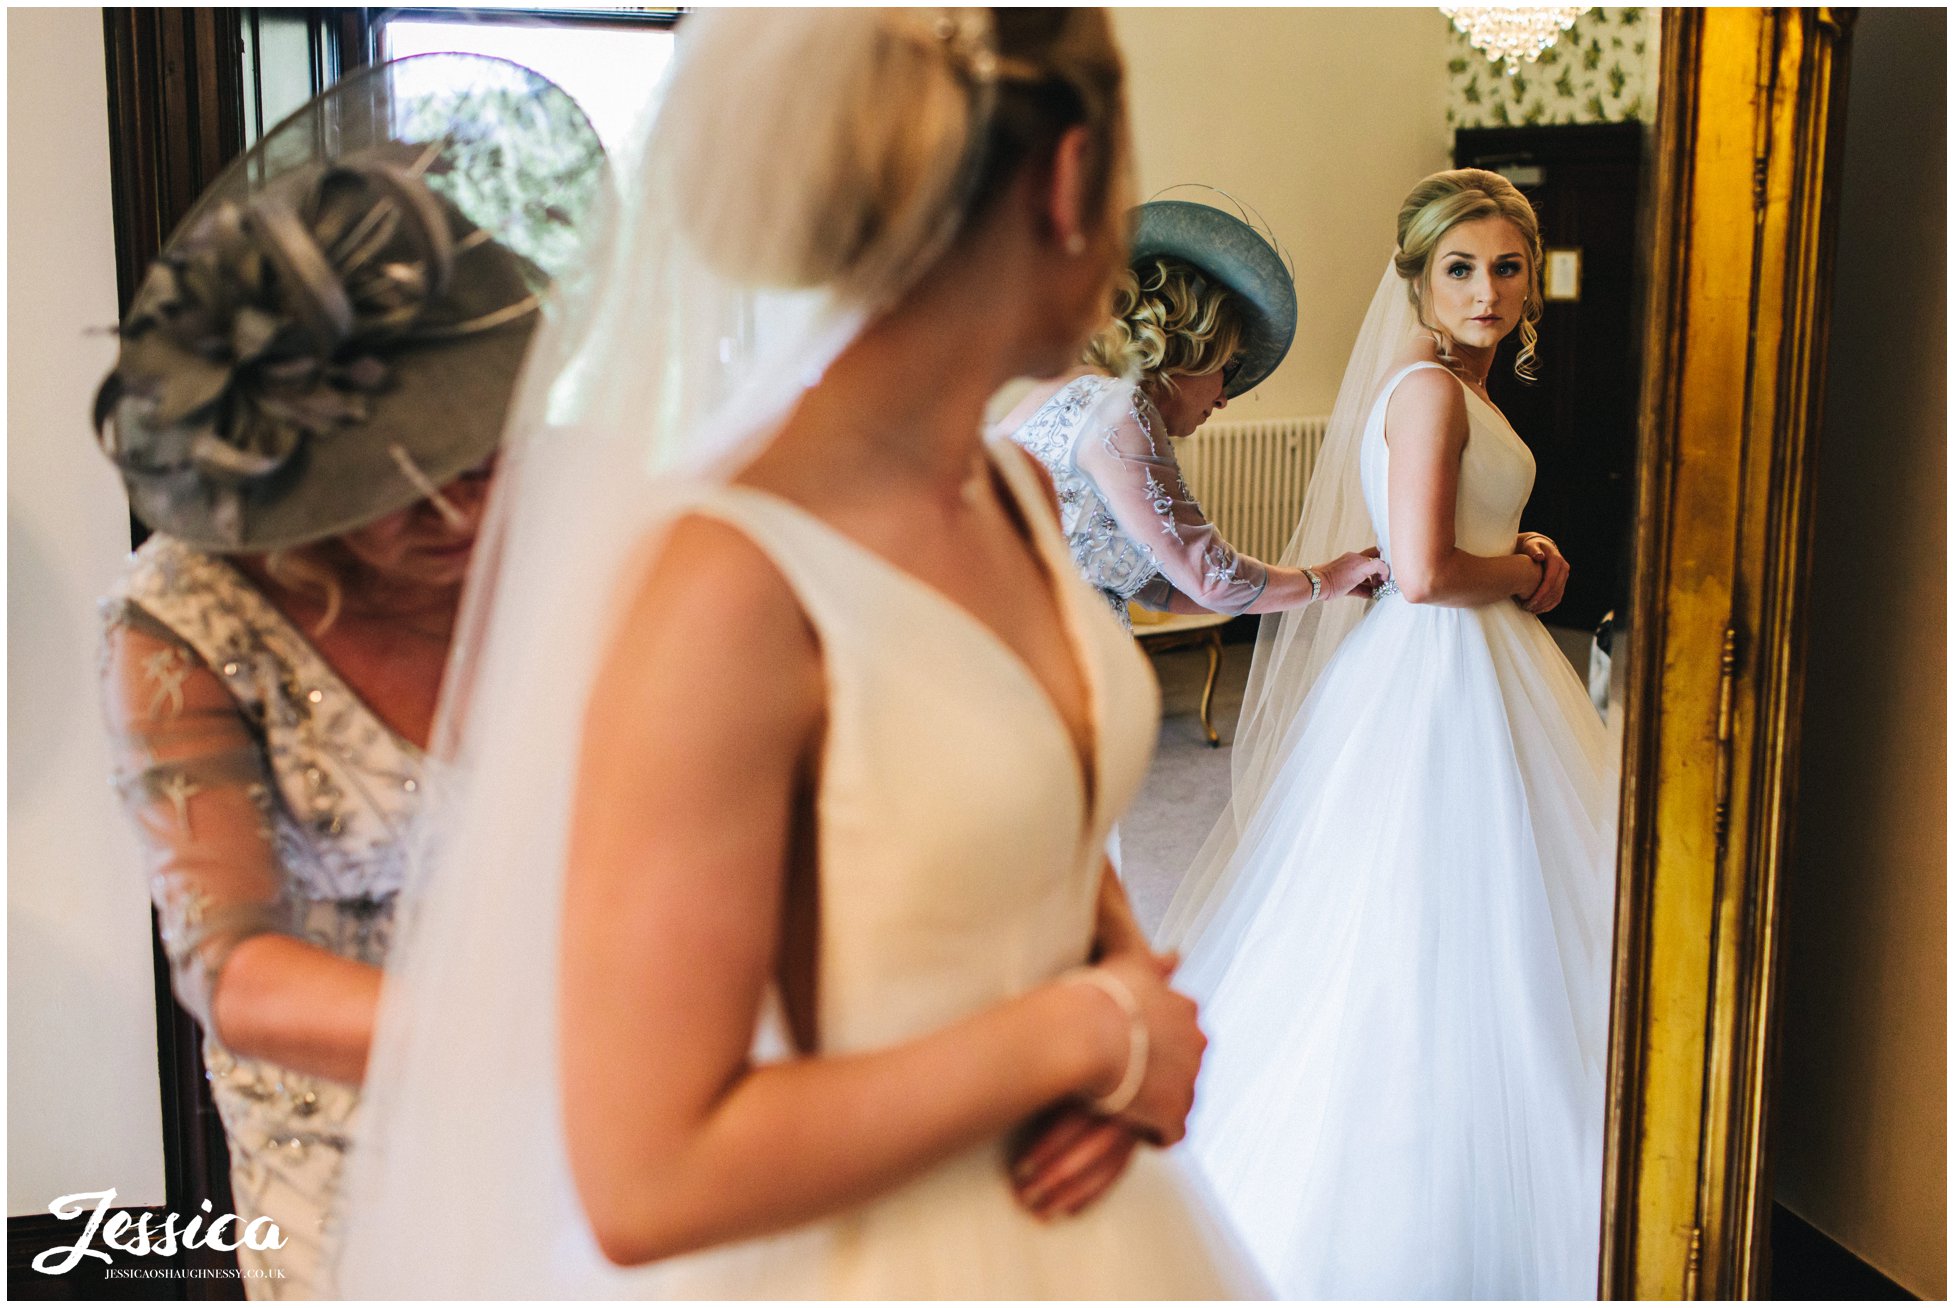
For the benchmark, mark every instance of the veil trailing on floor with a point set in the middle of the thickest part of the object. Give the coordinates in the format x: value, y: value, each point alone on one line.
x: 1212, y: 908
x: 667, y: 373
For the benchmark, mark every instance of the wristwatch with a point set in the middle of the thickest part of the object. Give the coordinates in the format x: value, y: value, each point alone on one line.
x: 1315, y: 584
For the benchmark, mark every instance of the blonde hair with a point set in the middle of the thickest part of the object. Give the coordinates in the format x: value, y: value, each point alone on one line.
x: 1462, y: 195
x: 890, y: 172
x: 307, y: 575
x: 1169, y: 319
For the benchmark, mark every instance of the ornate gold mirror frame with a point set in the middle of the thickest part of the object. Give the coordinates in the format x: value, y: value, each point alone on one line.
x: 1745, y: 175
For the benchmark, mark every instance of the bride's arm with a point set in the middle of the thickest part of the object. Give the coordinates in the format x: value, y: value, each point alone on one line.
x: 1077, y: 1156
x: 703, y: 724
x: 1426, y: 428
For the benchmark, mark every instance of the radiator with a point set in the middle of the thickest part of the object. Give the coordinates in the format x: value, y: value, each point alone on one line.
x: 1250, y: 476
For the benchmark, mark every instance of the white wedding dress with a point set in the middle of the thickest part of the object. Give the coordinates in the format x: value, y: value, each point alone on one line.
x: 960, y: 863
x: 1405, y: 985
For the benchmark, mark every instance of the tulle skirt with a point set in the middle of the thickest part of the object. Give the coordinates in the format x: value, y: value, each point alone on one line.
x: 1406, y: 989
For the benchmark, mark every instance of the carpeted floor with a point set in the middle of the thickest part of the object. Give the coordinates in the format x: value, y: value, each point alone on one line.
x: 1188, y: 784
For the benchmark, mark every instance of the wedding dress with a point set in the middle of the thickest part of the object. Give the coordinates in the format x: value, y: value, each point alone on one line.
x: 960, y: 862
x: 1404, y: 975
x: 961, y: 837
x: 959, y: 833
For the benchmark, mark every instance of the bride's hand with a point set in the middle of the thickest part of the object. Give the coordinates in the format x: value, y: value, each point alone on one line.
x: 1158, y: 1111
x: 1072, y: 1155
x: 1072, y: 1158
x: 1553, y: 567
x: 1353, y: 574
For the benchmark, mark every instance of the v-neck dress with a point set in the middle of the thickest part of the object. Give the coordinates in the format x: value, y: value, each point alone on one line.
x: 958, y: 866
x: 269, y: 797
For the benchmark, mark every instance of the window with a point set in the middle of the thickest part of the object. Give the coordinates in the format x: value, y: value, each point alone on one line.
x: 611, y: 64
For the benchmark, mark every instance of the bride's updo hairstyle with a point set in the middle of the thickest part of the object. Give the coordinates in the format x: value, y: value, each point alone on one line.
x: 1462, y: 195
x: 1168, y: 320
x: 851, y: 146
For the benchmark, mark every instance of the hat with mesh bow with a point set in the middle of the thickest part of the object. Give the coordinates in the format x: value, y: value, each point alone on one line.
x: 1233, y: 253
x: 337, y: 327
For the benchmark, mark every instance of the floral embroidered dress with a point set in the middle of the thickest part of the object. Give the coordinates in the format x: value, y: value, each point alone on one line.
x: 269, y: 798
x: 1136, y: 531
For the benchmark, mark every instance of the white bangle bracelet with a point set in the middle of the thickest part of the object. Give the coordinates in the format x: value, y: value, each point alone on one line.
x: 1315, y: 584
x: 1122, y: 1096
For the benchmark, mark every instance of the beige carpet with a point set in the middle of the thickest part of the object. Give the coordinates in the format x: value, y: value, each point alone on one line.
x: 1188, y: 784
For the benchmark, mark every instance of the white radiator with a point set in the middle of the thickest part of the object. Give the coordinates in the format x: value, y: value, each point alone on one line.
x: 1250, y: 476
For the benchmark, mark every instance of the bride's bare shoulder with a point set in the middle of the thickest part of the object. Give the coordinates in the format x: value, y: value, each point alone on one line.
x: 712, y: 574
x: 1425, y: 400
x: 704, y: 605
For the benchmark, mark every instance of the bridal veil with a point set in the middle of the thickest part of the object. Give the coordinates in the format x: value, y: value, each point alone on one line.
x: 681, y: 351
x: 1211, y: 908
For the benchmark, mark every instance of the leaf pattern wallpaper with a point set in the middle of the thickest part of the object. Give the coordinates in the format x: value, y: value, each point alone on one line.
x: 1602, y: 70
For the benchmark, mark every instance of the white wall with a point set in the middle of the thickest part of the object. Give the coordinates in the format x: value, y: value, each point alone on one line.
x: 1861, y: 1131
x: 82, y: 1105
x: 1321, y: 119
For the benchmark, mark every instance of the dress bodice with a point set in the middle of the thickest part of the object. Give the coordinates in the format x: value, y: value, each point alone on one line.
x: 268, y: 797
x: 959, y: 856
x: 343, y: 787
x: 1135, y: 529
x: 1496, y: 473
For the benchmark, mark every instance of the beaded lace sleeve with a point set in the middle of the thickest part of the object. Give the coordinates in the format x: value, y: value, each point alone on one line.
x: 191, y: 775
x: 1140, y: 480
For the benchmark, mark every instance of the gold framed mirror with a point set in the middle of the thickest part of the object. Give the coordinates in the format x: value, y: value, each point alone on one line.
x: 1746, y: 179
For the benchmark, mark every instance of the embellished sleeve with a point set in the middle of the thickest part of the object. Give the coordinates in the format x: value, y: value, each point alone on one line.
x: 192, y: 777
x: 1140, y: 480
x: 1157, y: 595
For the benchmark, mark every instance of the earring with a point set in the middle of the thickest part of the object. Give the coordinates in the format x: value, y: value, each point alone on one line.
x: 1075, y: 244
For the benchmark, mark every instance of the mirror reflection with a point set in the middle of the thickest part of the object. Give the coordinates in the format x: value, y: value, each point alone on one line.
x: 1382, y: 578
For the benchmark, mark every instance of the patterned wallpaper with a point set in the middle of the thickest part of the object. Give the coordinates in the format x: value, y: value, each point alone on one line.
x: 1602, y: 70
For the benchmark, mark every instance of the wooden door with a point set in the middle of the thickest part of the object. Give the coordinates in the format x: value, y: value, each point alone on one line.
x: 1580, y: 417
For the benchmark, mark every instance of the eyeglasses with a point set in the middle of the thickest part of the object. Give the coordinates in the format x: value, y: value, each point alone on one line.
x: 1231, y: 370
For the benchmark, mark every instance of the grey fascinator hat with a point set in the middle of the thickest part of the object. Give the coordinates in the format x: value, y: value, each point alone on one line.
x: 338, y: 326
x: 1236, y: 255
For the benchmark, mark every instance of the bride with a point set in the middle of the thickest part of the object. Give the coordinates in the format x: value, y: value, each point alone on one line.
x: 1400, y: 932
x: 771, y: 917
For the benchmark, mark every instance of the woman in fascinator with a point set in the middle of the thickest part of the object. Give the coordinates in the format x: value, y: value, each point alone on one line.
x: 1203, y: 314
x: 770, y: 924
x: 306, y: 407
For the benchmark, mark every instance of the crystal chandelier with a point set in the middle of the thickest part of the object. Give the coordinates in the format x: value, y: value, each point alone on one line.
x: 1510, y: 34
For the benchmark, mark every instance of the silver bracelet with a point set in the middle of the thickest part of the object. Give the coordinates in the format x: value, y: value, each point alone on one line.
x: 1122, y: 1096
x: 1315, y: 584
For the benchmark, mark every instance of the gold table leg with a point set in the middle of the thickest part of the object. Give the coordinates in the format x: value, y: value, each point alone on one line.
x: 1209, y: 638
x: 1213, y: 643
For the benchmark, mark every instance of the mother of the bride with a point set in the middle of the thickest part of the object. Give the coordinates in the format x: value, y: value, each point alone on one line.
x: 1205, y: 312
